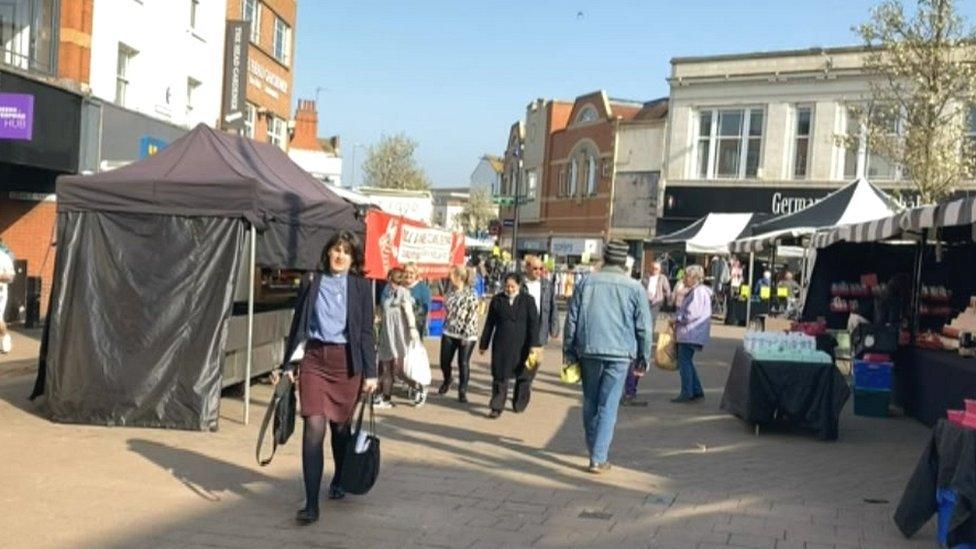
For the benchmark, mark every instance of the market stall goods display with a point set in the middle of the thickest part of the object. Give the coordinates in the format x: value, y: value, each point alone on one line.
x: 930, y: 382
x: 807, y: 395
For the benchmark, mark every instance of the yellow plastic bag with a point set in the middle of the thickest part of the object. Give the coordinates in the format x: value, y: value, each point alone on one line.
x: 666, y: 351
x: 570, y: 373
x: 532, y: 361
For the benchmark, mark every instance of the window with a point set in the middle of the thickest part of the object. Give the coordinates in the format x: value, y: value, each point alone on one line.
x: 591, y: 179
x: 729, y: 143
x: 276, y: 132
x: 801, y: 144
x: 251, y: 11
x: 561, y: 182
x: 249, y: 115
x: 532, y: 178
x: 282, y: 41
x: 194, y: 5
x: 969, y: 144
x: 588, y: 114
x: 122, y: 73
x: 858, y: 158
x: 573, y: 177
x: 192, y: 86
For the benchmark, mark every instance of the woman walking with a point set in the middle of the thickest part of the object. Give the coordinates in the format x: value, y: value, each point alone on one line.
x: 693, y: 323
x: 420, y: 292
x: 397, y: 330
x: 512, y: 330
x: 460, y: 331
x: 334, y: 319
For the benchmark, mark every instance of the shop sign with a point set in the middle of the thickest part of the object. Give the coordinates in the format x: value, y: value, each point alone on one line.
x: 149, y: 146
x: 533, y: 244
x: 576, y: 246
x: 263, y: 78
x: 235, y: 85
x: 697, y: 202
x: 16, y: 116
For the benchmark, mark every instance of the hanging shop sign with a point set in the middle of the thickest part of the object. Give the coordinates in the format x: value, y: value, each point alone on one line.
x: 16, y: 116
x: 235, y: 82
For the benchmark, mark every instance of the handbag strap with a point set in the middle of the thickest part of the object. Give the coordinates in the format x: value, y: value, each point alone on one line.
x: 281, y: 391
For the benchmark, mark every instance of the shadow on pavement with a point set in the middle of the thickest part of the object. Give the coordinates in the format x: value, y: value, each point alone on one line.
x: 15, y: 392
x: 203, y: 475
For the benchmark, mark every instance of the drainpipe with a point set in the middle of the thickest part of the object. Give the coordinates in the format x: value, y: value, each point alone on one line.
x: 613, y: 175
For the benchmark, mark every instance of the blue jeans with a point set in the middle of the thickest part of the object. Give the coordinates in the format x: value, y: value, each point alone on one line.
x: 690, y: 384
x: 603, y: 382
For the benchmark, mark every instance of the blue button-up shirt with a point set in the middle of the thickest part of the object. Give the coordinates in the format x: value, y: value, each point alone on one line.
x: 329, y: 317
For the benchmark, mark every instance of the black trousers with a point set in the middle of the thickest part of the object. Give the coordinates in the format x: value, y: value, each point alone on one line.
x: 523, y: 388
x: 450, y: 346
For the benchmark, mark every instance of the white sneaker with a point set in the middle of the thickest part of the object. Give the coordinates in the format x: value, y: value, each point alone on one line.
x: 420, y: 397
x: 6, y: 344
x: 382, y: 404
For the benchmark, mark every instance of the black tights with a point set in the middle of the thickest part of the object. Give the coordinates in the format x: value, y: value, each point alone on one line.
x: 313, y: 440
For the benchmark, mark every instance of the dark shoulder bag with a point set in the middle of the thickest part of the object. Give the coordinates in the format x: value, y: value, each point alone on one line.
x: 282, y: 408
x: 361, y: 468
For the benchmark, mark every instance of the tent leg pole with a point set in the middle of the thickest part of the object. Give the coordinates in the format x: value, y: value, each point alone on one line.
x: 752, y: 259
x: 250, y: 325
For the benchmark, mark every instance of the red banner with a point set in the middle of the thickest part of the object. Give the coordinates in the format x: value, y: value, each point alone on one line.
x: 393, y: 241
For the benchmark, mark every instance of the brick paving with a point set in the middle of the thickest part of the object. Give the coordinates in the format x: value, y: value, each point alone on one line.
x: 684, y: 476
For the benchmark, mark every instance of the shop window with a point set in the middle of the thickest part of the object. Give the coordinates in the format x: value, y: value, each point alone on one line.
x: 282, y: 41
x: 801, y: 143
x: 251, y: 10
x: 123, y: 70
x: 729, y: 144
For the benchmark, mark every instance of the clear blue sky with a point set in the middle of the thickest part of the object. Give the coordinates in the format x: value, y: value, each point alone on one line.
x: 454, y: 75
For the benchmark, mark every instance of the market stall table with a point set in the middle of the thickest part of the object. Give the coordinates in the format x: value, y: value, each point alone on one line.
x: 933, y: 381
x: 948, y: 461
x: 808, y: 395
x: 736, y: 311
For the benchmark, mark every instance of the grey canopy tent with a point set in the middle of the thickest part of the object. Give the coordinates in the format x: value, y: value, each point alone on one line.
x: 710, y: 234
x: 144, y: 275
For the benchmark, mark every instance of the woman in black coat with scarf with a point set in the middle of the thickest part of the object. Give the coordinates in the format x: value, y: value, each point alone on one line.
x: 512, y: 330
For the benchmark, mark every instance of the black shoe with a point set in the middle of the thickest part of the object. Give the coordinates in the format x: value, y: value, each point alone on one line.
x: 307, y: 516
x: 462, y: 396
x: 698, y: 396
x: 445, y: 387
x: 495, y: 414
x: 336, y: 492
x: 682, y: 399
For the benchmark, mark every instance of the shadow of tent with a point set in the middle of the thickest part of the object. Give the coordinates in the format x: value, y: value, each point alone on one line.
x: 205, y: 476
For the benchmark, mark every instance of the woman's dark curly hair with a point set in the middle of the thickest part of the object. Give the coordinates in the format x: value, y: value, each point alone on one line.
x: 352, y: 244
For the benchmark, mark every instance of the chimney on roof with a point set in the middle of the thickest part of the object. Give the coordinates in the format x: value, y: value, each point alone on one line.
x: 306, y: 127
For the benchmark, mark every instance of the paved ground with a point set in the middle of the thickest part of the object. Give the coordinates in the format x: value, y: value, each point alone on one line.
x: 684, y: 476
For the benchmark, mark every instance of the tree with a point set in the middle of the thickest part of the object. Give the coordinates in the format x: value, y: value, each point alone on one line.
x: 390, y: 164
x: 478, y: 212
x: 921, y: 96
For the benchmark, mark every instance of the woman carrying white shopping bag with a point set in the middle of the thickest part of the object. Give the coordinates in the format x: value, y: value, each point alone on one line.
x: 401, y: 350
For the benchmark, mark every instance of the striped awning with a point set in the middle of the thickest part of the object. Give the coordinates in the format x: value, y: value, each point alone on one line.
x: 866, y: 231
x: 764, y: 241
x: 961, y: 211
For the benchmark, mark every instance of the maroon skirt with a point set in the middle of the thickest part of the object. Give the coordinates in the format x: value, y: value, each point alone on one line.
x: 327, y: 385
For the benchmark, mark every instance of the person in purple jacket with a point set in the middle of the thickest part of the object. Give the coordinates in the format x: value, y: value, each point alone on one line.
x: 692, y: 326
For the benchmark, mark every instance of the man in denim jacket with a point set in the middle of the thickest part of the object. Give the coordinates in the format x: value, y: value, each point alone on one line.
x: 607, y: 327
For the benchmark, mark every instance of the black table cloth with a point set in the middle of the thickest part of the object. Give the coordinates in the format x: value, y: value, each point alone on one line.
x: 929, y: 382
x: 948, y: 461
x: 735, y: 312
x: 809, y: 396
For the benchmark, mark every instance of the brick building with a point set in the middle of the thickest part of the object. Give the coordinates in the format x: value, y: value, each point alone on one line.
x: 270, y: 64
x: 597, y: 176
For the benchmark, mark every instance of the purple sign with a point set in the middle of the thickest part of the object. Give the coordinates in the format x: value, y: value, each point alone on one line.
x: 16, y: 116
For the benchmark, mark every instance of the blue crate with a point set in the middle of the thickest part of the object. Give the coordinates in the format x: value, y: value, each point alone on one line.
x: 435, y: 327
x: 872, y: 375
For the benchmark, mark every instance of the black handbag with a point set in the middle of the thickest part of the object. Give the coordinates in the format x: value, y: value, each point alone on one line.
x: 360, y: 469
x: 282, y: 408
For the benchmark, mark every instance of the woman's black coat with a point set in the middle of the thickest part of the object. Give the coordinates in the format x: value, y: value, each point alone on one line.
x: 512, y: 330
x: 359, y: 322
